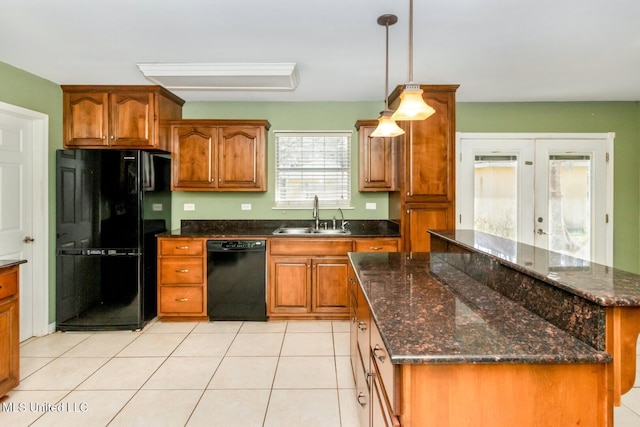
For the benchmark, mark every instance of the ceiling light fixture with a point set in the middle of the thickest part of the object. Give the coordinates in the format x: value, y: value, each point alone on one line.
x: 222, y: 76
x: 387, y: 127
x: 412, y: 105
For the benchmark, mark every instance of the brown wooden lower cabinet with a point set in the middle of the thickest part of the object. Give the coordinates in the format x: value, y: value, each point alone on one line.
x: 308, y: 287
x: 9, y: 330
x: 308, y: 277
x: 423, y: 217
x: 182, y: 276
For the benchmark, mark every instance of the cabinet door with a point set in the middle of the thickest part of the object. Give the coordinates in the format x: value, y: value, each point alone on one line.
x: 193, y: 156
x: 241, y: 158
x: 330, y: 285
x: 132, y: 119
x: 429, y: 172
x: 353, y: 315
x: 421, y: 219
x: 9, y: 345
x: 86, y: 118
x: 377, y: 162
x: 290, y: 290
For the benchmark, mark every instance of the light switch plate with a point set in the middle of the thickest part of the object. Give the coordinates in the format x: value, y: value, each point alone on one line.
x: 245, y: 206
x: 156, y: 207
x: 189, y: 206
x: 371, y: 206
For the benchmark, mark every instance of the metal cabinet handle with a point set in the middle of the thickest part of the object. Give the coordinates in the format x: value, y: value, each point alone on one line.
x: 182, y: 299
x: 362, y: 326
x: 380, y: 357
x: 183, y: 248
x: 182, y: 271
x: 375, y: 248
x: 362, y: 399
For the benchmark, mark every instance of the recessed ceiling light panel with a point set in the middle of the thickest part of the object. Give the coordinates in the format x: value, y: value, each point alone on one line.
x: 223, y: 76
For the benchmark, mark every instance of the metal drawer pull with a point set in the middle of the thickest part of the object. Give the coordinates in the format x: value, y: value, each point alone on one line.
x: 182, y: 271
x: 380, y: 357
x: 375, y: 248
x: 182, y: 247
x: 362, y: 326
x: 182, y: 299
x: 362, y: 400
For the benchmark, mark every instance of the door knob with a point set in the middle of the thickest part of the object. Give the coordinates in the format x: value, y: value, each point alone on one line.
x: 539, y: 231
x: 28, y: 239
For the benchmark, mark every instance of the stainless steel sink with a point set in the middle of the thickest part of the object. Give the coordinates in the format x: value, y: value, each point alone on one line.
x: 308, y: 231
x: 293, y: 230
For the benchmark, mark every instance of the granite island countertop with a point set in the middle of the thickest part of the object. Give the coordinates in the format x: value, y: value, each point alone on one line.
x: 265, y: 228
x: 6, y: 263
x: 422, y: 319
x: 603, y: 285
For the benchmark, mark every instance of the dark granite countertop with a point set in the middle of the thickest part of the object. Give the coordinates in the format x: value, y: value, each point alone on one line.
x: 265, y: 228
x: 5, y: 263
x: 445, y: 316
x: 603, y: 285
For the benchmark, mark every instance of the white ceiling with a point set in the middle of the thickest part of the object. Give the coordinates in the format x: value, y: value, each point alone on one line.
x: 497, y: 50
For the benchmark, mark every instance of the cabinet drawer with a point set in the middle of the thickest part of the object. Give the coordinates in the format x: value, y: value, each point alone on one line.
x: 376, y: 245
x: 310, y: 246
x: 177, y: 270
x: 8, y: 282
x: 181, y: 299
x: 381, y: 358
x: 181, y: 247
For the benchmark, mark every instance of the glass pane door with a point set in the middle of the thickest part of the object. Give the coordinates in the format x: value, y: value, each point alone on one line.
x: 495, y: 203
x: 570, y: 205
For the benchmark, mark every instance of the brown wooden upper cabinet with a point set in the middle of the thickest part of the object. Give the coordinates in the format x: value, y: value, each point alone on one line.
x: 378, y: 169
x: 426, y: 191
x: 219, y: 155
x: 133, y: 117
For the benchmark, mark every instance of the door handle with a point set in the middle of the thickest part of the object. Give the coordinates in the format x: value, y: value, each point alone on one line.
x: 28, y: 239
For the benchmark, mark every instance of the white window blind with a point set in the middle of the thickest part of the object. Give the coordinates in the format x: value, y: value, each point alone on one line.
x: 313, y: 163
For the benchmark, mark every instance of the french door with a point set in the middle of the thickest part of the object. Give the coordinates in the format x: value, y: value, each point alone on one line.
x: 551, y: 191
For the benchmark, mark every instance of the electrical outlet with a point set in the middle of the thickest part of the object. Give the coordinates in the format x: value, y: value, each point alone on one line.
x: 156, y: 207
x: 189, y: 206
x: 245, y: 206
x: 371, y: 206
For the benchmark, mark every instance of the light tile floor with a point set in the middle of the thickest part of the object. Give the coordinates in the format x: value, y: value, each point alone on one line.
x: 294, y: 373
x: 188, y: 374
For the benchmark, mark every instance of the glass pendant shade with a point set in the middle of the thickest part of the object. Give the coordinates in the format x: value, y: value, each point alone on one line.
x: 387, y: 127
x: 412, y: 105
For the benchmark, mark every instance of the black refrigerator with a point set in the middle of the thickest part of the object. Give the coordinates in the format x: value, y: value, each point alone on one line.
x: 110, y: 205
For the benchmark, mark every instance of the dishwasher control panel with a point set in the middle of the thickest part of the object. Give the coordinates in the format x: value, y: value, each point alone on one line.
x: 231, y: 245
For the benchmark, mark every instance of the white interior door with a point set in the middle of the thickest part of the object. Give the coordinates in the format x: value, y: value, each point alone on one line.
x: 23, y: 210
x: 551, y: 191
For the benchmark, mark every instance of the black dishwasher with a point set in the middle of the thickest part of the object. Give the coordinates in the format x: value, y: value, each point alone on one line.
x: 236, y: 280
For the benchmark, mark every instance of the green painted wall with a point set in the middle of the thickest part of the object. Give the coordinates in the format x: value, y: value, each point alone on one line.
x: 619, y: 117
x: 26, y: 90
x: 282, y: 116
x: 20, y: 88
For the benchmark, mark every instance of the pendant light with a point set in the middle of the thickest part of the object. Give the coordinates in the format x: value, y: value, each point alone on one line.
x: 412, y: 105
x: 387, y: 127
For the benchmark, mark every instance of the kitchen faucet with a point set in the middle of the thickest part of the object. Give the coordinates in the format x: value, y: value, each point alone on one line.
x: 316, y: 211
x: 343, y: 223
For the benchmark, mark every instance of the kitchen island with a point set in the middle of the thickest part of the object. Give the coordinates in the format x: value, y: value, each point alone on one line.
x: 595, y: 303
x: 443, y: 348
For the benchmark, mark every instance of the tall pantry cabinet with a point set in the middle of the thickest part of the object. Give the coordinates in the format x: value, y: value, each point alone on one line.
x: 426, y: 191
